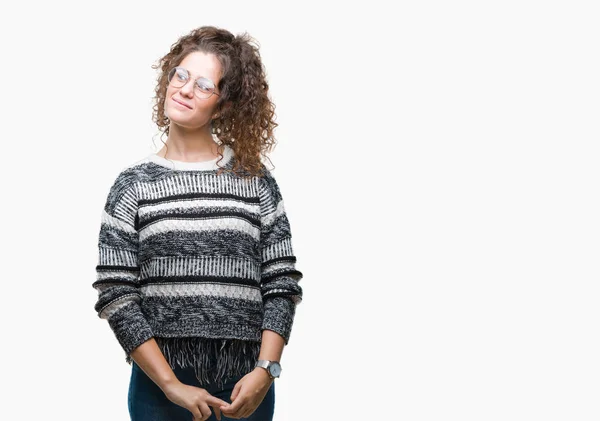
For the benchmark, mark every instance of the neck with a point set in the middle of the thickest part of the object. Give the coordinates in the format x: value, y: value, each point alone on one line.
x: 189, y: 144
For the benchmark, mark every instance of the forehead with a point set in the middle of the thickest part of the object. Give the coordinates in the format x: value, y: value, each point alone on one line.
x: 202, y: 64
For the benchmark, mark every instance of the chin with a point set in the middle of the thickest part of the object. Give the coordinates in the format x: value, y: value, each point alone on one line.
x: 185, y: 123
x: 174, y: 115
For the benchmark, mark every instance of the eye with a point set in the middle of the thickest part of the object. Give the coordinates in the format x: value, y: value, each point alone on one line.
x: 181, y: 74
x: 204, y: 85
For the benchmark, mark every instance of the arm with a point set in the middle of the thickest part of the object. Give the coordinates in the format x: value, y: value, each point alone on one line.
x: 280, y: 292
x: 152, y: 361
x: 117, y: 282
x: 271, y: 346
x: 279, y: 277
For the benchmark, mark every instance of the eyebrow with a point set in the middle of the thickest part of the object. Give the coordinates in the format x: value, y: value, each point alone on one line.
x: 197, y: 77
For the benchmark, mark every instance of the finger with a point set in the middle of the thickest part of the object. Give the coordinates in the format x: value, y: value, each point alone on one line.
x: 216, y: 402
x: 246, y: 411
x: 197, y: 414
x: 206, y: 413
x: 250, y: 411
x: 217, y: 409
x: 234, y: 407
x: 235, y: 415
x: 237, y: 404
x: 242, y: 413
x: 217, y: 413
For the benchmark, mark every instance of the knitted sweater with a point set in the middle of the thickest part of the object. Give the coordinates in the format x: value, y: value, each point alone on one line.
x: 202, y: 262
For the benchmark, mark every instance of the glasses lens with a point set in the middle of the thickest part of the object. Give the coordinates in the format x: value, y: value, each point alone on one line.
x: 204, y: 88
x: 178, y: 76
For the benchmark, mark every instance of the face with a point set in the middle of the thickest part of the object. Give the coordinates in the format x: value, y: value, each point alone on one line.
x: 182, y: 106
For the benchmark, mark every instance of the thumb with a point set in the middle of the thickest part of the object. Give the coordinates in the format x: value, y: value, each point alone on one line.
x: 236, y: 391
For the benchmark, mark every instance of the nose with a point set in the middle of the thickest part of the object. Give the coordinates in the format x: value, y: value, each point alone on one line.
x: 188, y: 89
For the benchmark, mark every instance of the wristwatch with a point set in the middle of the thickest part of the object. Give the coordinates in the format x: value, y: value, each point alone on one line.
x: 272, y: 367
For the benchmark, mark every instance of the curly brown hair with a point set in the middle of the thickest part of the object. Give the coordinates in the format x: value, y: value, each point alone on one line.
x: 246, y: 114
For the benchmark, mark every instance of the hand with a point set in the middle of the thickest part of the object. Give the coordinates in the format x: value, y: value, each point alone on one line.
x: 248, y: 393
x: 194, y: 399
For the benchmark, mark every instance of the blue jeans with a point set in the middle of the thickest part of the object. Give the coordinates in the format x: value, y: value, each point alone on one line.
x: 147, y: 402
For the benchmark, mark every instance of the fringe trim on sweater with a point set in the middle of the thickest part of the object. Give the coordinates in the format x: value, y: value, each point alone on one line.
x: 213, y: 360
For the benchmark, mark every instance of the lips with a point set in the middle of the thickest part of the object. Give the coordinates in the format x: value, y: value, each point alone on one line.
x: 182, y: 103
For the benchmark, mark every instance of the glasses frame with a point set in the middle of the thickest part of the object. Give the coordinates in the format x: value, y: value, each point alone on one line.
x: 194, y: 79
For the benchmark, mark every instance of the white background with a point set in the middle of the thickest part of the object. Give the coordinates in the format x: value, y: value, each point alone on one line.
x: 439, y: 164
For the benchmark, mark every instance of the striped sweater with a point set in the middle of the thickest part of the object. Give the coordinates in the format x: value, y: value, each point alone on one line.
x: 198, y: 260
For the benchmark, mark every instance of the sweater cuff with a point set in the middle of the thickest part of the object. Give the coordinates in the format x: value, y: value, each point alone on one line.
x: 279, y: 314
x: 130, y: 327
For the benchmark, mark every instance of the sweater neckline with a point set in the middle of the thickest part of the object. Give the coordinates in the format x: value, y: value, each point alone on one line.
x: 209, y: 165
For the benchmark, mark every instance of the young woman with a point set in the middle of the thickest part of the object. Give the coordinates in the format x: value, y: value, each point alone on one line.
x: 196, y: 273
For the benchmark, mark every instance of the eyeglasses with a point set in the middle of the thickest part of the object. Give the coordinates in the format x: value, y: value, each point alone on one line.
x: 203, y: 87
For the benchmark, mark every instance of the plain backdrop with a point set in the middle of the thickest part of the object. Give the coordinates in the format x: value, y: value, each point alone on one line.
x: 439, y: 165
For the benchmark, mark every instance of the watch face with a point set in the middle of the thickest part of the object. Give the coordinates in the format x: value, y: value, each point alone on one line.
x: 275, y: 369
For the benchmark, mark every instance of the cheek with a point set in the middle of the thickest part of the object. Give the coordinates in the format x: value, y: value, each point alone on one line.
x: 166, y: 107
x: 166, y: 101
x: 170, y: 92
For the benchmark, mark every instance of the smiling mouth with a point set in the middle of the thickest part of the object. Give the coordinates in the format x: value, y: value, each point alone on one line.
x: 181, y: 103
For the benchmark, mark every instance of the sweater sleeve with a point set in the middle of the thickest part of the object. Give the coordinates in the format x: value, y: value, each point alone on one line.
x: 117, y: 272
x: 279, y: 277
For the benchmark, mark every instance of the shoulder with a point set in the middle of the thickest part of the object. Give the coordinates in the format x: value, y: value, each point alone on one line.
x: 269, y: 186
x: 126, y: 177
x: 266, y: 177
